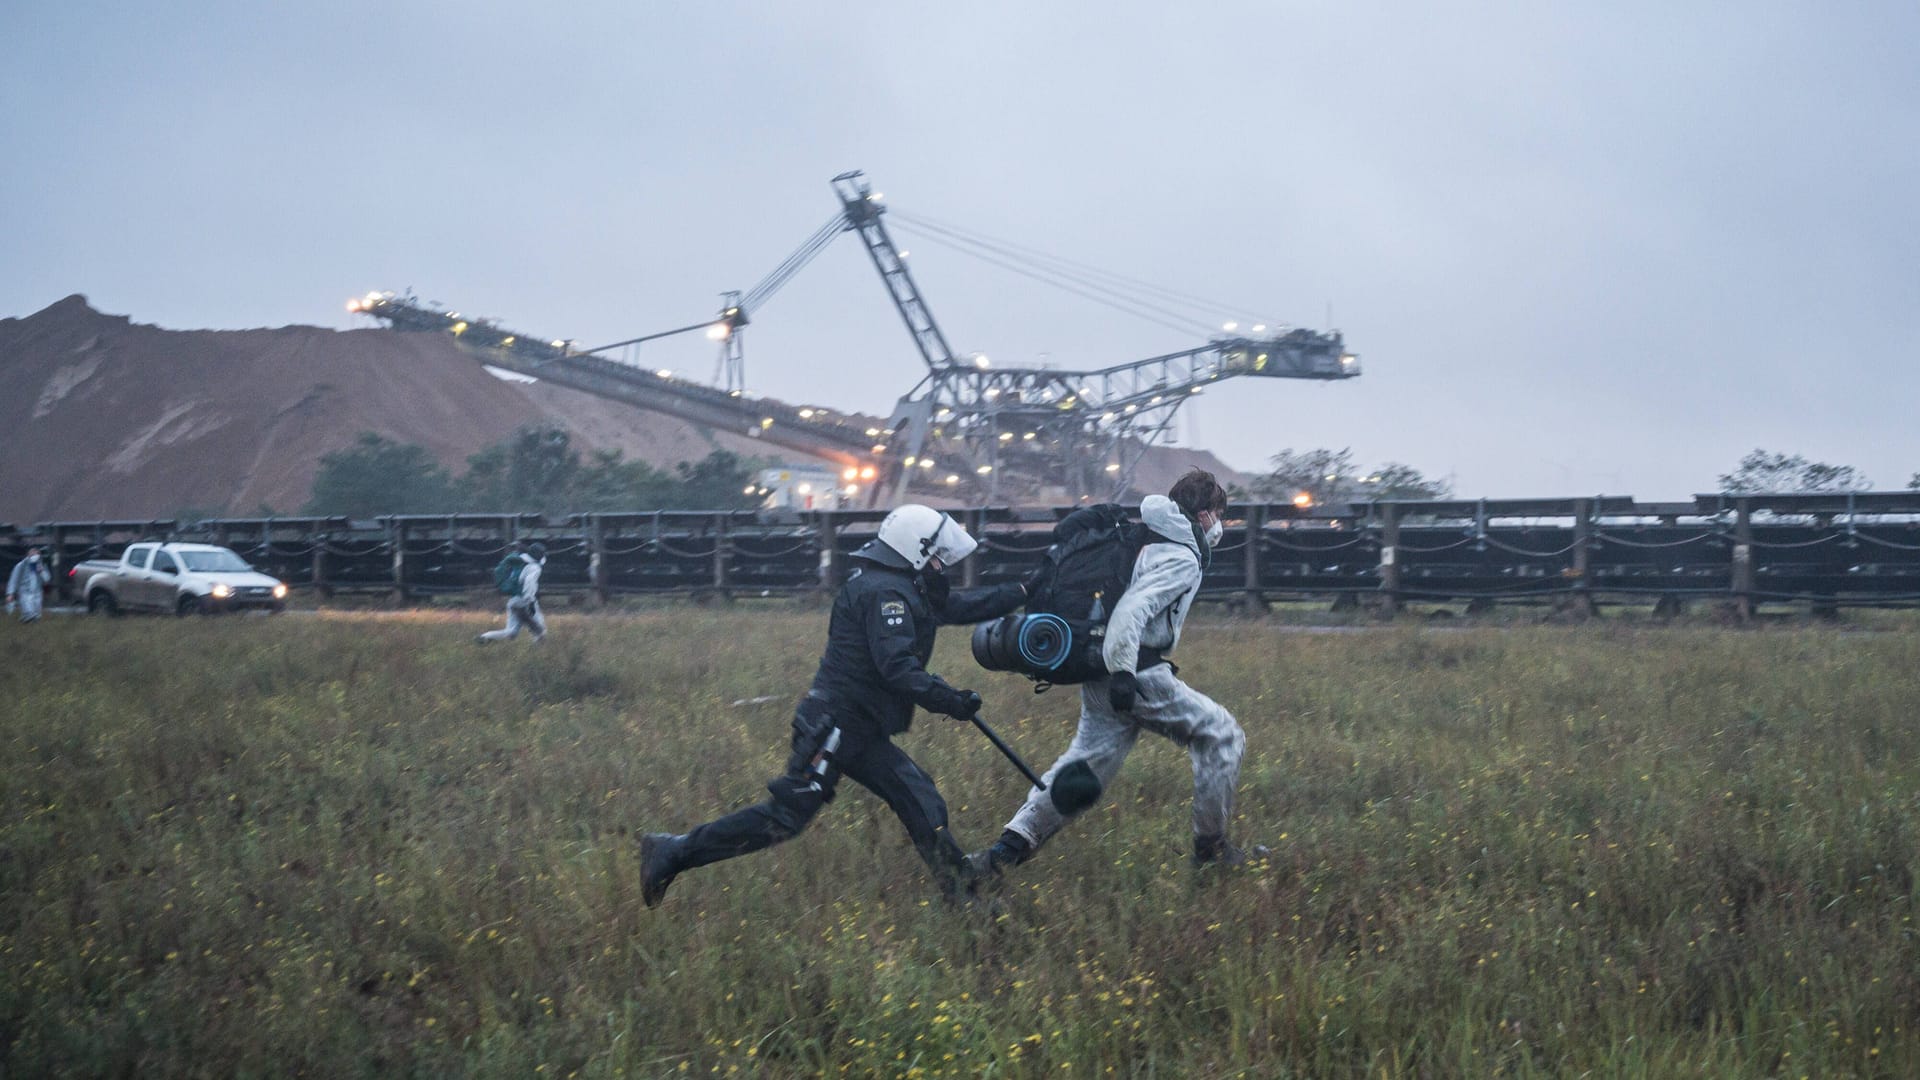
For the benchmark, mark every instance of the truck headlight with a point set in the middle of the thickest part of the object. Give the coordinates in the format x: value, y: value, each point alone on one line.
x: 221, y: 592
x: 280, y: 592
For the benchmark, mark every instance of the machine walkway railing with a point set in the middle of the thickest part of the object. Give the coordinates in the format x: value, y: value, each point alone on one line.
x: 1828, y: 549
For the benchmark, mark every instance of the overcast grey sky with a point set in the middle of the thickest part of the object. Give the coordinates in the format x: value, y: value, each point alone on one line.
x: 1580, y: 247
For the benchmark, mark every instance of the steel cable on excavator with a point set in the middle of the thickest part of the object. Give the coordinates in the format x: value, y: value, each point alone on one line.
x: 1077, y: 270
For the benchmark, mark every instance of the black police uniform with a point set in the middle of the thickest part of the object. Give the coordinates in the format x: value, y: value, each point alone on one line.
x: 873, y: 673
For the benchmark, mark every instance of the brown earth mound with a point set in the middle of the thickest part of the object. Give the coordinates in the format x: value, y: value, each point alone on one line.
x: 101, y: 417
x: 105, y: 418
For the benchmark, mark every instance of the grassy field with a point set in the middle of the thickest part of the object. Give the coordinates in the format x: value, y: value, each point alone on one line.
x: 360, y: 845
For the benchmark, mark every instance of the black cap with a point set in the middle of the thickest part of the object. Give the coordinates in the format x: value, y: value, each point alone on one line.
x: 537, y: 549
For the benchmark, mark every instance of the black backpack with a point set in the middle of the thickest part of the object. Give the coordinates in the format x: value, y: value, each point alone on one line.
x: 506, y: 574
x: 1058, y: 640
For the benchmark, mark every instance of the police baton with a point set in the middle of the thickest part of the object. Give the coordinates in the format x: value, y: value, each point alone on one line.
x: 1001, y: 744
x: 1075, y: 785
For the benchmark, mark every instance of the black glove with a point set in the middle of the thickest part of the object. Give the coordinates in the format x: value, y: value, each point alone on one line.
x: 1033, y: 579
x: 1122, y: 691
x: 959, y: 704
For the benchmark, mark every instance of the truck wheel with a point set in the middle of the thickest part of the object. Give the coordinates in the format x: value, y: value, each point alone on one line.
x: 102, y: 602
x: 192, y: 605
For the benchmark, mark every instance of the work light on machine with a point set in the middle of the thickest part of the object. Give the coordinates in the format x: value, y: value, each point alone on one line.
x: 719, y: 332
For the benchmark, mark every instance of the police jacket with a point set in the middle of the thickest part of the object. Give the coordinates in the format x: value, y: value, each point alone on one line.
x: 874, y: 670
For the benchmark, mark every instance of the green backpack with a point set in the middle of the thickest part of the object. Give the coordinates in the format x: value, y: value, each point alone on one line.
x: 506, y: 575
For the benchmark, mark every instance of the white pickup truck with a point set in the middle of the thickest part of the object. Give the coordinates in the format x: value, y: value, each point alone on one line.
x: 186, y: 579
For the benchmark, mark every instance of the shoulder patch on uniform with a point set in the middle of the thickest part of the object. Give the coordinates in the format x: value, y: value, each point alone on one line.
x: 893, y: 608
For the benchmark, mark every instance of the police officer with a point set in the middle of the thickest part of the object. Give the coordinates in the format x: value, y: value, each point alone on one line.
x: 872, y: 675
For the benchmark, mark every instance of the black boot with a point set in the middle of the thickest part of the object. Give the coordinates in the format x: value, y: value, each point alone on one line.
x: 1217, y: 851
x: 1011, y: 849
x: 659, y: 862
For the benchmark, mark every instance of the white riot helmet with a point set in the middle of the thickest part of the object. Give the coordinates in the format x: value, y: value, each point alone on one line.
x: 913, y: 533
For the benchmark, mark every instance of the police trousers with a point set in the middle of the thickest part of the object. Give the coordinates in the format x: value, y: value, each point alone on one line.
x: 822, y: 754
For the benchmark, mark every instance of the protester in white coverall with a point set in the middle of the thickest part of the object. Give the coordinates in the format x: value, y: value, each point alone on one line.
x: 523, y: 608
x: 1131, y: 699
x: 26, y: 586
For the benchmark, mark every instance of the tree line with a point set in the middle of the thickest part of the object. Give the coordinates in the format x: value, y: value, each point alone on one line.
x: 1312, y: 477
x: 540, y: 470
x: 537, y: 470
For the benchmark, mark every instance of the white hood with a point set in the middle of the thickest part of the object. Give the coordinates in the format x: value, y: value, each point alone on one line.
x: 1166, y: 577
x: 1163, y: 516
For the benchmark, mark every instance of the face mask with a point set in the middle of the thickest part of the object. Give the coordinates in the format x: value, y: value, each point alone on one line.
x: 935, y: 585
x: 1214, y: 532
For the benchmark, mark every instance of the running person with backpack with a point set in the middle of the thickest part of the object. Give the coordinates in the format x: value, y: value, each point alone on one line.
x: 1138, y: 690
x: 518, y: 577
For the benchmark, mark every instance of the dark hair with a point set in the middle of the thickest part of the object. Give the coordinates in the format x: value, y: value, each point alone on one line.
x: 1198, y: 491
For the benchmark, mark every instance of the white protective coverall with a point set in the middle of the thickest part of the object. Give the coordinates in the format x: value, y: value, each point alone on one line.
x: 523, y: 609
x: 1166, y: 577
x: 25, y: 587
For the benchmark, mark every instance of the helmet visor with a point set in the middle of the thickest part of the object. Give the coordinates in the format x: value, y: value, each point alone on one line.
x: 950, y: 542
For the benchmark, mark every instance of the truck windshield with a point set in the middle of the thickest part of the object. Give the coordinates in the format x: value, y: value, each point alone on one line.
x: 214, y: 562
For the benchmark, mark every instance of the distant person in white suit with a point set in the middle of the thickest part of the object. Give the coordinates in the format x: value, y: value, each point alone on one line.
x: 27, y: 585
x: 523, y: 606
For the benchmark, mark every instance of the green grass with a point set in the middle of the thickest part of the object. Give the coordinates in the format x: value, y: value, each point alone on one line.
x: 358, y: 845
